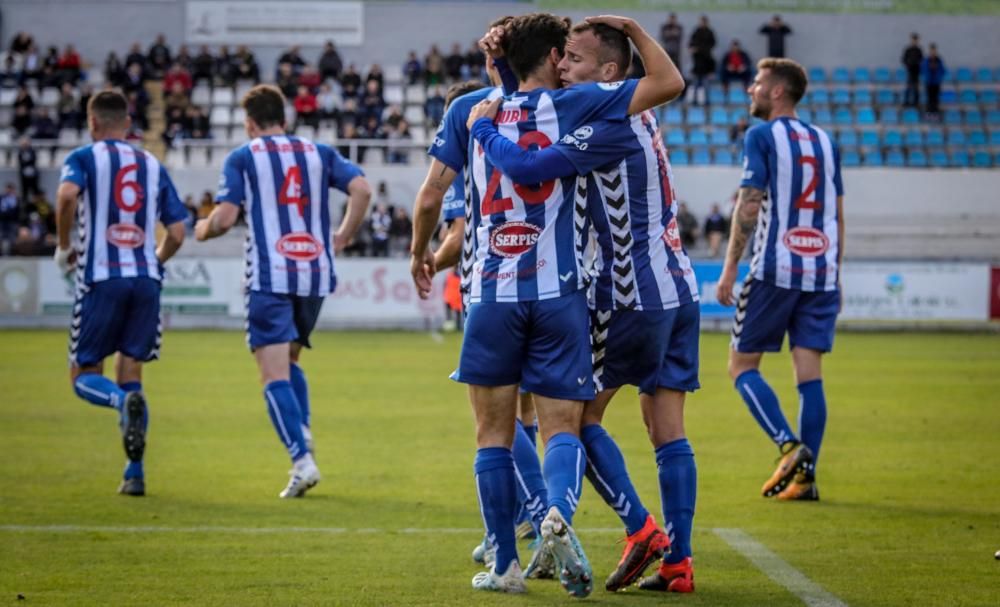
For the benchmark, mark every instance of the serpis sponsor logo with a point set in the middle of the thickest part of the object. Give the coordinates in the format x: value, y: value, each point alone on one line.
x: 299, y: 246
x: 125, y: 235
x: 514, y: 238
x: 806, y: 242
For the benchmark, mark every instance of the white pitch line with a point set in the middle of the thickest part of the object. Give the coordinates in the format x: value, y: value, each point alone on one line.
x: 811, y: 593
x: 208, y: 529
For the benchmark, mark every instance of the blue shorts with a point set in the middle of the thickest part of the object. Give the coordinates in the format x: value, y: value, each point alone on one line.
x: 279, y: 318
x: 649, y: 349
x: 116, y: 315
x: 765, y: 312
x: 543, y: 345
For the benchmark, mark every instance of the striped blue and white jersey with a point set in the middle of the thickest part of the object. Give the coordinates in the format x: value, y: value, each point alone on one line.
x: 283, y: 183
x: 124, y: 192
x: 528, y: 241
x: 796, y: 243
x: 640, y: 262
x: 453, y: 203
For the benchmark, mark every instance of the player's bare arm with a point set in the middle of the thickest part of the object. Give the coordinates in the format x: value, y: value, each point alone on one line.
x: 743, y: 225
x: 448, y: 254
x: 663, y: 82
x: 66, y: 198
x: 171, y: 242
x: 426, y: 210
x: 359, y: 196
x: 222, y: 218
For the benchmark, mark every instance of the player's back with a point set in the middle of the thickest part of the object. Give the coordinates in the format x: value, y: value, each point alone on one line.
x: 798, y: 165
x: 124, y: 192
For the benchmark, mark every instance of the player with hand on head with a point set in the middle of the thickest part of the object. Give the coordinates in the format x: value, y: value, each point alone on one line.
x: 118, y: 194
x: 791, y: 201
x: 644, y: 304
x: 282, y: 183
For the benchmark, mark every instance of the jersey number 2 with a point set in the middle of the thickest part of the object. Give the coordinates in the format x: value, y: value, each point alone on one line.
x: 493, y: 204
x: 291, y: 190
x: 132, y: 186
x: 803, y: 202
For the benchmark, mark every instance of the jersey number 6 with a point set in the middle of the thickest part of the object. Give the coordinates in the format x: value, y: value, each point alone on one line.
x: 121, y: 185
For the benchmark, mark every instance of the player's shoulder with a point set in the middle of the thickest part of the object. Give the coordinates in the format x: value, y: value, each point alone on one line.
x: 761, y: 134
x: 464, y: 103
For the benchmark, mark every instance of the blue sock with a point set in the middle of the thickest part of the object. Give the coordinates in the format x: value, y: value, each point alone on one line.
x: 531, y: 491
x: 563, y: 468
x: 678, y: 489
x: 532, y: 432
x: 812, y: 415
x: 134, y: 469
x: 99, y: 390
x: 763, y: 405
x: 497, y: 501
x: 301, y: 387
x: 607, y: 473
x: 286, y: 417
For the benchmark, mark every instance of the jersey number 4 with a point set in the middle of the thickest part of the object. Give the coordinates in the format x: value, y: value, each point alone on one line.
x: 129, y: 195
x: 803, y: 202
x: 291, y: 190
x: 492, y: 203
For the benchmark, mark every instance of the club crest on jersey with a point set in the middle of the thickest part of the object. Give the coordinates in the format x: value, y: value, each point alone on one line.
x: 299, y: 246
x: 125, y: 235
x: 806, y: 242
x: 514, y: 238
x: 672, y: 236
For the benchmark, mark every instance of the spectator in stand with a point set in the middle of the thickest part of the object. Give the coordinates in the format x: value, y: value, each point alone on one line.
x: 158, y: 57
x: 933, y: 70
x: 225, y: 66
x: 306, y: 108
x: 310, y: 78
x: 330, y: 63
x: 351, y: 81
x: 454, y: 62
x: 21, y: 122
x: 43, y: 126
x: 177, y: 76
x: 434, y: 67
x: 137, y: 105
x: 672, y: 37
x: 23, y: 99
x: 735, y: 66
x: 715, y: 230
x: 50, y: 68
x: 399, y: 134
x: 114, y: 70
x: 701, y: 44
x: 11, y: 74
x: 738, y: 131
x: 173, y: 133
x: 10, y: 216
x: 177, y: 98
x: 380, y: 223
x: 434, y: 106
x: 86, y: 92
x: 372, y: 103
x: 70, y: 65
x: 246, y: 65
x: 913, y: 59
x: 184, y: 58
x: 203, y: 66
x: 412, y: 69
x: 687, y: 224
x: 327, y: 103
x: 46, y: 215
x: 372, y: 129
x: 196, y: 124
x: 67, y: 107
x: 776, y: 31
x: 294, y: 57
x: 27, y: 168
x: 192, y: 214
x: 134, y: 80
x: 21, y: 42
x: 475, y: 60
x: 287, y: 81
x: 393, y: 116
x: 135, y: 57
x: 375, y: 75
x: 400, y: 232
x: 349, y: 115
x: 348, y: 131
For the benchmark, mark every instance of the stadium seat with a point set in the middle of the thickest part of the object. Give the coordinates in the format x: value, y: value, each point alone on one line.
x: 843, y: 117
x: 50, y: 97
x: 974, y: 118
x: 673, y: 115
x: 737, y: 96
x: 895, y: 158
x: 306, y: 131
x: 722, y: 156
x: 841, y: 97
x: 243, y: 87
x: 893, y: 138
x: 198, y: 156
x: 393, y: 94
x: 977, y: 139
x: 676, y: 137
x: 988, y: 97
x: 220, y: 134
x: 222, y: 96
x: 735, y: 116
x: 720, y: 117
x: 697, y: 137
x: 696, y: 115
x: 900, y: 74
x: 220, y: 116
x: 883, y: 75
x: 5, y: 135
x: 885, y: 96
x: 917, y: 158
x: 866, y: 115
x: 963, y: 74
x: 841, y: 75
x: 418, y: 133
x: 935, y: 137
x: 959, y: 158
x: 913, y: 138
x: 719, y: 137
x: 7, y: 97
x: 415, y: 93
x: 239, y: 115
x: 862, y: 75
x: 889, y: 115
x: 679, y: 158
x: 952, y: 117
x: 911, y: 116
x: 393, y: 73
x: 805, y: 115
x: 981, y: 160
x: 873, y: 159
x: 956, y: 137
x: 870, y: 138
x: 820, y: 97
x: 175, y: 159
x: 817, y: 75
x: 414, y: 114
x: 939, y: 158
x: 69, y: 138
x: 995, y: 138
x: 993, y: 116
x: 716, y: 96
x: 862, y: 97
x: 850, y: 158
x: 984, y: 74
x: 948, y: 97
x: 847, y: 137
x: 968, y: 96
x: 700, y: 156
x: 823, y: 117
x: 201, y: 95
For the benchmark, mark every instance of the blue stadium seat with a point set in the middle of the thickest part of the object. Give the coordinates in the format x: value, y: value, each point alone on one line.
x: 895, y: 158
x: 935, y: 137
x: 900, y: 74
x: 676, y: 137
x: 981, y: 160
x: 820, y: 97
x: 996, y: 159
x: 695, y: 115
x: 883, y: 75
x: 911, y: 116
x: 866, y: 115
x: 850, y: 158
x: 952, y: 117
x: 917, y: 158
x: 892, y: 138
x: 673, y: 115
x: 722, y: 156
x: 873, y: 159
x: 993, y: 116
x: 824, y: 117
x: 889, y: 115
x: 984, y: 74
x: 913, y: 138
x: 843, y: 117
x: 701, y: 156
x: 817, y: 75
x: 956, y: 137
x: 948, y: 97
x: 862, y: 97
x: 963, y: 74
x: 737, y: 96
x: 977, y: 139
x: 988, y: 97
x: 870, y: 138
x: 716, y: 96
x: 995, y: 138
x: 679, y: 157
x: 939, y: 158
x: 841, y: 75
x: 974, y: 118
x: 805, y: 115
x: 719, y: 137
x: 885, y: 96
x: 841, y: 97
x: 847, y: 137
x: 735, y: 116
x: 959, y: 158
x: 720, y: 117
x: 862, y: 75
x: 968, y: 96
x: 697, y: 137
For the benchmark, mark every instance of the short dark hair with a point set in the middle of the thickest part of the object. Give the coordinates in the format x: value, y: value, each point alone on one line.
x: 530, y: 38
x: 109, y: 108
x: 501, y: 21
x: 461, y: 88
x: 265, y: 105
x: 615, y: 46
x: 791, y: 74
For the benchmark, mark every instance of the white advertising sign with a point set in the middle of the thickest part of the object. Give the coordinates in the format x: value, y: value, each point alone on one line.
x: 276, y: 23
x: 915, y: 291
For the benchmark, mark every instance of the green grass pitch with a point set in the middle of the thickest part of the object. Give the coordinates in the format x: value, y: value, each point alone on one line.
x: 909, y: 475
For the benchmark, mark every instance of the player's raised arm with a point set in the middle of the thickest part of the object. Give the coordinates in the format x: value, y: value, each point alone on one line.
x: 359, y: 193
x: 426, y: 210
x: 663, y: 82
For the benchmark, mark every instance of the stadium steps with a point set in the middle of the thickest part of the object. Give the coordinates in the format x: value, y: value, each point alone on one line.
x: 152, y: 139
x: 926, y: 237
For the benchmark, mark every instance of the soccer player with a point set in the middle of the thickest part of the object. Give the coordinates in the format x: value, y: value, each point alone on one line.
x: 792, y: 194
x: 282, y: 183
x: 123, y: 193
x: 645, y: 316
x: 527, y: 319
